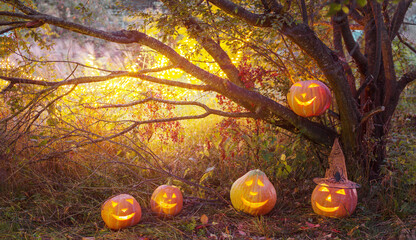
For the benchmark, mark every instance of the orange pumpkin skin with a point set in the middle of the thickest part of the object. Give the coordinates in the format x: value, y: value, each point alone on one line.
x: 166, y: 200
x: 253, y: 193
x: 309, y: 98
x: 333, y: 202
x: 121, y: 211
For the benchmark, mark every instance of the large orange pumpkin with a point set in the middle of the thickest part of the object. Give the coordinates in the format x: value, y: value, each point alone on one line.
x: 253, y: 193
x: 309, y: 98
x: 333, y: 202
x: 121, y: 211
x: 166, y: 200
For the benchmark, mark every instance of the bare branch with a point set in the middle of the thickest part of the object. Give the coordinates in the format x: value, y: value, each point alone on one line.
x: 413, y: 49
x: 407, y: 78
x: 12, y: 23
x: 182, y: 103
x: 93, y: 79
x: 371, y: 113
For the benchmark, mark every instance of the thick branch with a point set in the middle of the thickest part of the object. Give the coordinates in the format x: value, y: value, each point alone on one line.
x: 337, y: 36
x: 213, y: 48
x: 352, y: 46
x: 398, y: 18
x: 387, y: 56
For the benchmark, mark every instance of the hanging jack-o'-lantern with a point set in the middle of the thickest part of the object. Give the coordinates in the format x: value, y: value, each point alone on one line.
x: 253, y: 193
x: 121, y: 211
x: 166, y: 200
x: 335, y: 196
x: 309, y: 98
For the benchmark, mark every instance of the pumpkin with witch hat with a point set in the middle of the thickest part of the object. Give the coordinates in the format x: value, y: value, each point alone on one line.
x: 335, y: 196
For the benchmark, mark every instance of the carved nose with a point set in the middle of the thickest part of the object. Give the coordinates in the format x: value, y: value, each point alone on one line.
x: 329, y: 199
x: 124, y: 210
x: 303, y: 95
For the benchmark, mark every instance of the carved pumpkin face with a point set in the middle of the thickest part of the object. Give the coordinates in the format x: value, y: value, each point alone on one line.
x: 309, y: 98
x: 333, y: 202
x: 121, y: 211
x: 166, y: 200
x: 253, y: 193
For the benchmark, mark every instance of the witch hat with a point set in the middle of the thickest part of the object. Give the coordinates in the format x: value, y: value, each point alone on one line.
x: 336, y: 175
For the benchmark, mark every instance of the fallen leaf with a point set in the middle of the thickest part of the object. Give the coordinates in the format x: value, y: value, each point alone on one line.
x: 242, y: 233
x: 204, y: 219
x: 311, y: 225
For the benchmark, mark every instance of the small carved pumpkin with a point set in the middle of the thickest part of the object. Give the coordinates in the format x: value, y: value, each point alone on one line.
x: 166, y: 200
x: 309, y: 98
x: 121, y: 211
x: 335, y: 195
x: 253, y: 193
x: 333, y: 202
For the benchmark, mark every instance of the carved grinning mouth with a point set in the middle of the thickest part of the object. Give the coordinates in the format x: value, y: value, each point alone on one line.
x: 253, y: 204
x: 326, y: 209
x: 307, y: 103
x: 167, y: 205
x: 123, y: 218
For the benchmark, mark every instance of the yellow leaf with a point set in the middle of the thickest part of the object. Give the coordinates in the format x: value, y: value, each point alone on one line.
x: 204, y: 219
x: 345, y: 9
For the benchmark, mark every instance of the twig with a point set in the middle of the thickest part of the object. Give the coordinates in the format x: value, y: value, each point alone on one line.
x: 371, y: 113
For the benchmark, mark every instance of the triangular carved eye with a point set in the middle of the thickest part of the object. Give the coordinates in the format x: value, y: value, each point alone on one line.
x: 130, y: 201
x: 249, y: 182
x: 165, y: 195
x: 341, y: 191
x: 173, y: 195
x: 312, y: 85
x: 297, y: 85
x: 114, y: 204
x: 323, y: 189
x: 260, y: 183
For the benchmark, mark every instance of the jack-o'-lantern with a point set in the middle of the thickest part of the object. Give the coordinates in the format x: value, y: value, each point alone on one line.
x: 335, y: 196
x: 309, y: 98
x: 253, y: 193
x: 166, y: 200
x: 333, y: 202
x: 121, y: 211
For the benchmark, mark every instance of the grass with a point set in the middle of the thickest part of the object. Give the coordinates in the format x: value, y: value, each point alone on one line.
x: 60, y: 197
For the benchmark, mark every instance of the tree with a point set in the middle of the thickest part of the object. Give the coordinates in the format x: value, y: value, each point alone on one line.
x: 364, y: 81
